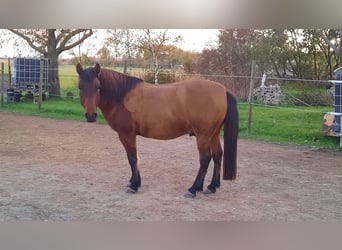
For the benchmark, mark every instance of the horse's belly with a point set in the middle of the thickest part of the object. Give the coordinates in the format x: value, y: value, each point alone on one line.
x: 163, y: 128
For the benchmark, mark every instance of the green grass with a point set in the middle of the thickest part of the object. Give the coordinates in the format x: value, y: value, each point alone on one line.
x: 68, y: 79
x: 297, y: 125
x: 63, y: 108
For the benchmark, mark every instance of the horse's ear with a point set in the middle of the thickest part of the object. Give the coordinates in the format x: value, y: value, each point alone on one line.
x: 97, y: 69
x: 79, y: 68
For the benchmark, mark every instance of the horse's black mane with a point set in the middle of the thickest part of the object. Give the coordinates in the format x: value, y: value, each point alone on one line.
x: 114, y: 85
x: 88, y: 74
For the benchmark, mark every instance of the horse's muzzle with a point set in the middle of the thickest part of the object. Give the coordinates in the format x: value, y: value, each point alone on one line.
x: 91, y: 117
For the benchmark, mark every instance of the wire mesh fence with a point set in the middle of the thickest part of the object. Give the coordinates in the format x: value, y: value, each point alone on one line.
x: 300, y: 95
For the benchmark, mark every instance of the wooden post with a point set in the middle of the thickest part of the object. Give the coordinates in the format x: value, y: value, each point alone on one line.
x: 9, y: 73
x: 250, y: 99
x: 40, y: 98
x: 2, y: 84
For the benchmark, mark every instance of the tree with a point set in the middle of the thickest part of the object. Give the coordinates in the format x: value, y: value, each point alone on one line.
x: 235, y: 49
x: 153, y: 43
x: 333, y: 52
x: 261, y: 50
x: 318, y: 55
x: 209, y: 61
x: 51, y: 43
x: 233, y: 54
x: 334, y: 38
x: 270, y: 51
x: 177, y: 56
x: 104, y: 56
x: 125, y: 43
x: 301, y: 53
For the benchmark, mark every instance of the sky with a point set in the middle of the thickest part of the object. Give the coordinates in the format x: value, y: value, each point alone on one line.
x: 193, y: 40
x: 196, y: 39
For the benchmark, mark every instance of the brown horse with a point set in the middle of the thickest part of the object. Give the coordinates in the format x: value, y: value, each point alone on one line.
x: 196, y: 107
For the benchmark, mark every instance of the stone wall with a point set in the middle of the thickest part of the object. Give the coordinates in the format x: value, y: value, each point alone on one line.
x: 271, y: 94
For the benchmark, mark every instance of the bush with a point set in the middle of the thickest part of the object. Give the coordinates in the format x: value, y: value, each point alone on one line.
x: 163, y: 77
x: 308, y: 93
x: 315, y: 98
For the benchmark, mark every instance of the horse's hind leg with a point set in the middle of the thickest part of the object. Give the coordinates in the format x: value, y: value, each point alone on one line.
x: 205, y: 157
x: 216, y: 151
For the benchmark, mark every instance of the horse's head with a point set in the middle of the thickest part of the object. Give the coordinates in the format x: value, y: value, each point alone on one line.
x: 89, y: 85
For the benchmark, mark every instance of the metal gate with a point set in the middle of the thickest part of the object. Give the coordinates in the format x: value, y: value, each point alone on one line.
x: 332, y: 124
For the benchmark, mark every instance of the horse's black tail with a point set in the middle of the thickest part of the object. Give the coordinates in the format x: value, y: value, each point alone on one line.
x: 231, y: 131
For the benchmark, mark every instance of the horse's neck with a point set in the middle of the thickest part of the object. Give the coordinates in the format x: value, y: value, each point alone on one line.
x: 107, y: 107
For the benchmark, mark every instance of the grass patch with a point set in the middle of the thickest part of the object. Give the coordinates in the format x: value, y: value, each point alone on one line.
x: 297, y: 125
x: 68, y: 79
x: 60, y: 108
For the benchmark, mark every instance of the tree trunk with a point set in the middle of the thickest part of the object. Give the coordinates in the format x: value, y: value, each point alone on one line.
x: 52, y: 55
x: 156, y: 67
x: 55, y: 89
x: 125, y: 65
x: 315, y: 65
x: 340, y: 48
x: 156, y: 71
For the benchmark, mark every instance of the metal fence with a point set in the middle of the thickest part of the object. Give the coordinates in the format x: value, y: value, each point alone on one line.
x: 244, y: 87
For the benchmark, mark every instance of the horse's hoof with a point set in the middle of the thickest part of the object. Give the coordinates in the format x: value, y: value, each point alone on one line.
x: 189, y: 195
x: 208, y: 191
x: 130, y: 190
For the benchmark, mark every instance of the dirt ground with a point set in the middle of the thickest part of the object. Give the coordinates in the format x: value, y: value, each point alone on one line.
x: 58, y: 170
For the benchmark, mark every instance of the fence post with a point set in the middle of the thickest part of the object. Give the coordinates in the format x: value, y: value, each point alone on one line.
x: 250, y: 99
x: 9, y: 73
x: 2, y: 84
x: 40, y: 98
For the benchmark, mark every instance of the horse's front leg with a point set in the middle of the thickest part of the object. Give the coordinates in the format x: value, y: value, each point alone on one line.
x: 129, y: 142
